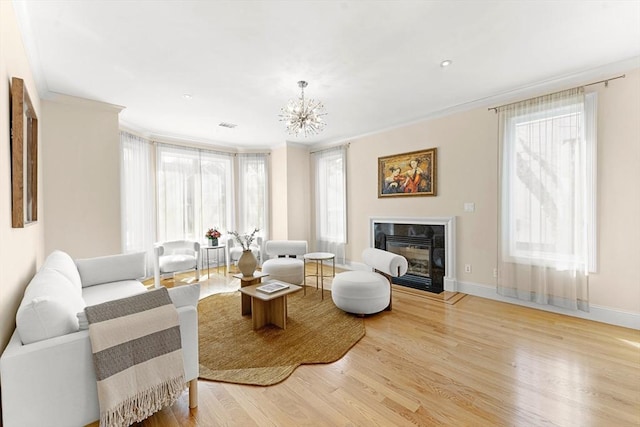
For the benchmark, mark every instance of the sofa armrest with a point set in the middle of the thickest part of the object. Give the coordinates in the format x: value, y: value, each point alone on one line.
x: 188, y: 316
x: 185, y: 295
x: 114, y: 268
x: 50, y: 382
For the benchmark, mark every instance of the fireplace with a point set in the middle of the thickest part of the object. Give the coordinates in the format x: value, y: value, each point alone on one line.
x: 424, y: 243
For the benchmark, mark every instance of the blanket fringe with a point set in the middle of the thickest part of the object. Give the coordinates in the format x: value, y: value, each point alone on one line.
x: 143, y: 404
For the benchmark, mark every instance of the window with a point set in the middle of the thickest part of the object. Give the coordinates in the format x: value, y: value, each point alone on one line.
x: 193, y: 192
x: 331, y: 202
x: 547, y: 199
x: 548, y: 157
x: 137, y: 196
x: 253, y: 196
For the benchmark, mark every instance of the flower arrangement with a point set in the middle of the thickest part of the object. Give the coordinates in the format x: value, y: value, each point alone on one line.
x: 212, y: 233
x: 246, y: 239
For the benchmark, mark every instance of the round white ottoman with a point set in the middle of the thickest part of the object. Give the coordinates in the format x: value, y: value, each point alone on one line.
x: 360, y: 292
x: 290, y: 270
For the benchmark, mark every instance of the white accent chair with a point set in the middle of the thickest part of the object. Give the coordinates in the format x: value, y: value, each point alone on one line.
x: 368, y: 292
x: 175, y: 256
x: 285, y: 261
x: 234, y: 251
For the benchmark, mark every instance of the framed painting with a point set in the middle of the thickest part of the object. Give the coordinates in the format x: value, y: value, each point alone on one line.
x: 24, y: 156
x: 408, y: 174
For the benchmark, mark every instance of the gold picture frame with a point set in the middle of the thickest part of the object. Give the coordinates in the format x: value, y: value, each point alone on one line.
x: 24, y: 156
x: 408, y: 174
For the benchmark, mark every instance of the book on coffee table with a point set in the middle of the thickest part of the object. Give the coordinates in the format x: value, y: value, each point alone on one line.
x: 272, y: 287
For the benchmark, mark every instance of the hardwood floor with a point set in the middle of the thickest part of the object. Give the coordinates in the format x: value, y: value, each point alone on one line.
x: 474, y: 362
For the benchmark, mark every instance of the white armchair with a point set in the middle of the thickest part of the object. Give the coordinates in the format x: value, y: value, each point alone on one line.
x: 234, y: 250
x: 368, y: 292
x: 175, y: 256
x: 285, y: 260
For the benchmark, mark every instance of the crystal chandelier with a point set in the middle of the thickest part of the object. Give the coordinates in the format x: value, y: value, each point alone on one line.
x: 303, y: 117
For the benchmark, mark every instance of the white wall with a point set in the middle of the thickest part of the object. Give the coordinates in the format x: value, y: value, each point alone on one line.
x: 81, y: 169
x: 467, y: 172
x: 21, y: 249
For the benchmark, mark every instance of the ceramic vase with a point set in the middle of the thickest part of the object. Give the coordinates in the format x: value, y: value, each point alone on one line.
x: 247, y: 263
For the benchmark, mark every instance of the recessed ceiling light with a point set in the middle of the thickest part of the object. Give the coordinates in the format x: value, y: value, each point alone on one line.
x: 446, y: 63
x: 187, y: 96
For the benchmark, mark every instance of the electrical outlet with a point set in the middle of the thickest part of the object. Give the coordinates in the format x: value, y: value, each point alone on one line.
x: 469, y: 207
x: 495, y: 272
x: 467, y: 268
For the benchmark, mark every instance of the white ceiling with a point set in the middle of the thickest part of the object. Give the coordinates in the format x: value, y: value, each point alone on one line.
x: 374, y: 64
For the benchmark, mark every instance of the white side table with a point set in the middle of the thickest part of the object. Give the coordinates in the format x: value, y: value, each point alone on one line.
x: 319, y: 258
x: 206, y: 249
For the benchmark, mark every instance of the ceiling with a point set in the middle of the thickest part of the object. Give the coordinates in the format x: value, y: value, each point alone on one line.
x: 374, y: 64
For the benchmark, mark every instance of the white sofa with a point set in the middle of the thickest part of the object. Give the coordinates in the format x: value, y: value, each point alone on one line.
x: 46, y: 370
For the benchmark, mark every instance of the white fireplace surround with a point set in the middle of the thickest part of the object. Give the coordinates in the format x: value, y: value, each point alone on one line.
x: 449, y: 223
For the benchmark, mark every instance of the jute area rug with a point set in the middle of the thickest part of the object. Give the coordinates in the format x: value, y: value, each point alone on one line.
x: 231, y: 351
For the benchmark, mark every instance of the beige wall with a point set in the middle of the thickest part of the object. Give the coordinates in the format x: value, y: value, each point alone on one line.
x: 290, y: 193
x: 21, y: 249
x: 467, y: 172
x: 617, y: 283
x: 279, y: 199
x: 466, y: 163
x: 81, y: 169
x: 298, y: 179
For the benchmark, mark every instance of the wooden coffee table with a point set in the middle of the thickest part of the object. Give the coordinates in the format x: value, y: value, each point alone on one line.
x: 268, y: 308
x: 245, y: 281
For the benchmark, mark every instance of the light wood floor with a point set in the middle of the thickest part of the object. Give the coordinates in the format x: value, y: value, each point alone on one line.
x: 476, y: 362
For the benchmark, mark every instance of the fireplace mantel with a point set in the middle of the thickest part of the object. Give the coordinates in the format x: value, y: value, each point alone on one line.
x: 449, y: 224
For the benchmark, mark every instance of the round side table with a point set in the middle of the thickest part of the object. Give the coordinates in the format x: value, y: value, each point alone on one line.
x: 319, y: 258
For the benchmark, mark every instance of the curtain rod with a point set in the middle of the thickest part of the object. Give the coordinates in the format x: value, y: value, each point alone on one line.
x: 330, y: 148
x: 606, y: 84
x: 203, y: 148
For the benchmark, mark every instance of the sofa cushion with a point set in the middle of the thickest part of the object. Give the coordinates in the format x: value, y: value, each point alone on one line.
x: 43, y: 318
x: 109, y: 291
x: 113, y: 268
x: 48, y: 308
x: 181, y: 296
x: 63, y: 263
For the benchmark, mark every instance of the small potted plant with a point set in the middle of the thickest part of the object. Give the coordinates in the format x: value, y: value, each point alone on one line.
x: 212, y: 234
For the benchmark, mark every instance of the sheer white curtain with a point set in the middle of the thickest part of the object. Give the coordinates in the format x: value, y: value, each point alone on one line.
x: 217, y: 191
x: 547, y: 147
x: 331, y: 200
x: 137, y: 196
x: 253, y: 193
x: 194, y: 192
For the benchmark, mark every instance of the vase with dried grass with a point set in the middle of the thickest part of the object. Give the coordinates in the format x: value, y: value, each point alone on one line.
x: 247, y: 263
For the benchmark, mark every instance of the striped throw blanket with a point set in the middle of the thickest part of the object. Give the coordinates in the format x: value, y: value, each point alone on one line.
x: 137, y: 356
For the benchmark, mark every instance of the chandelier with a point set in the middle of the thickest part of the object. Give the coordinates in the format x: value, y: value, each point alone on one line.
x: 303, y: 117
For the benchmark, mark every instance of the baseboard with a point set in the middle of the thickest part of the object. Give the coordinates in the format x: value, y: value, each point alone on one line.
x: 596, y: 313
